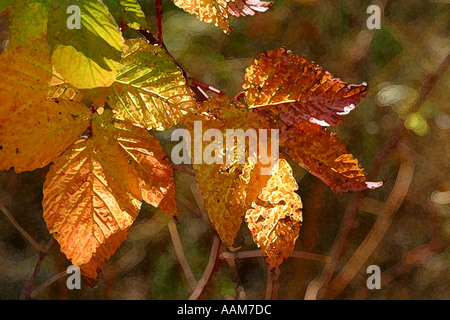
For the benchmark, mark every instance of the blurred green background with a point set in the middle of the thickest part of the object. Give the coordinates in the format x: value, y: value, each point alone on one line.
x: 413, y: 41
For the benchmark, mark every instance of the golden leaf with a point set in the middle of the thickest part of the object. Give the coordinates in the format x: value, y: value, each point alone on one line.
x: 219, y: 11
x: 93, y: 192
x: 227, y: 188
x: 38, y: 122
x: 33, y: 137
x: 276, y: 216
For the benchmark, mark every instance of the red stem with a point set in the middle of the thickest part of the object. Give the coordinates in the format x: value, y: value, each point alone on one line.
x: 92, y: 109
x: 159, y: 15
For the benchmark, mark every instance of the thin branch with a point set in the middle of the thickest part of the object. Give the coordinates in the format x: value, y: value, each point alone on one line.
x: 181, y: 256
x: 416, y: 257
x: 47, y: 283
x: 230, y: 257
x: 377, y: 232
x: 26, y: 294
x: 20, y: 229
x: 208, y: 271
x: 180, y: 198
x: 269, y: 285
x: 159, y: 15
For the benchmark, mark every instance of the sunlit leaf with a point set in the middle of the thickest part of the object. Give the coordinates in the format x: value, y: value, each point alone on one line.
x: 227, y: 188
x: 297, y: 90
x: 219, y: 11
x: 93, y: 192
x: 276, y: 216
x: 33, y: 137
x: 150, y: 90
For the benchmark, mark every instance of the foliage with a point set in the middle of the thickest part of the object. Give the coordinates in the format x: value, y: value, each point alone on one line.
x: 83, y: 100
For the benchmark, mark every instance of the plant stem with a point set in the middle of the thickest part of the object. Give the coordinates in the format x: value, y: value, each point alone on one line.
x: 159, y: 15
x: 209, y: 269
x: 181, y: 256
x: 26, y: 294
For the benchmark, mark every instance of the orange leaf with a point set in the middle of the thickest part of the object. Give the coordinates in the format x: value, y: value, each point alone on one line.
x: 297, y: 90
x: 93, y: 192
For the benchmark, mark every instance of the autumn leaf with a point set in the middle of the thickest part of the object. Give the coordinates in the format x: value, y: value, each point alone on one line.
x: 219, y: 11
x: 227, y: 189
x: 150, y: 90
x: 221, y: 187
x: 88, y: 57
x: 37, y: 122
x: 276, y: 216
x: 297, y: 97
x: 298, y: 90
x: 93, y: 192
x: 322, y: 153
x: 91, y: 270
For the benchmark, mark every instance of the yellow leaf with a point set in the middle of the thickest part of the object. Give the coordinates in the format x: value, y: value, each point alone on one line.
x: 227, y: 189
x: 276, y: 216
x: 38, y: 122
x: 33, y: 137
x: 150, y: 91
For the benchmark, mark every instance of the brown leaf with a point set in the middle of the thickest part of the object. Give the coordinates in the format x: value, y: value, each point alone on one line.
x: 321, y: 152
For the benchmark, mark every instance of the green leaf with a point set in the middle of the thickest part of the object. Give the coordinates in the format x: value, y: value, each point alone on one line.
x: 128, y: 11
x: 88, y: 57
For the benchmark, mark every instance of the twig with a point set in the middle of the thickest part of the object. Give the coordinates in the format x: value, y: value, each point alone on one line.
x: 47, y: 283
x: 180, y: 198
x: 26, y: 294
x: 416, y: 257
x: 20, y: 229
x: 377, y: 232
x: 209, y: 268
x: 181, y: 256
x: 159, y: 15
x: 269, y: 285
x: 230, y: 257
